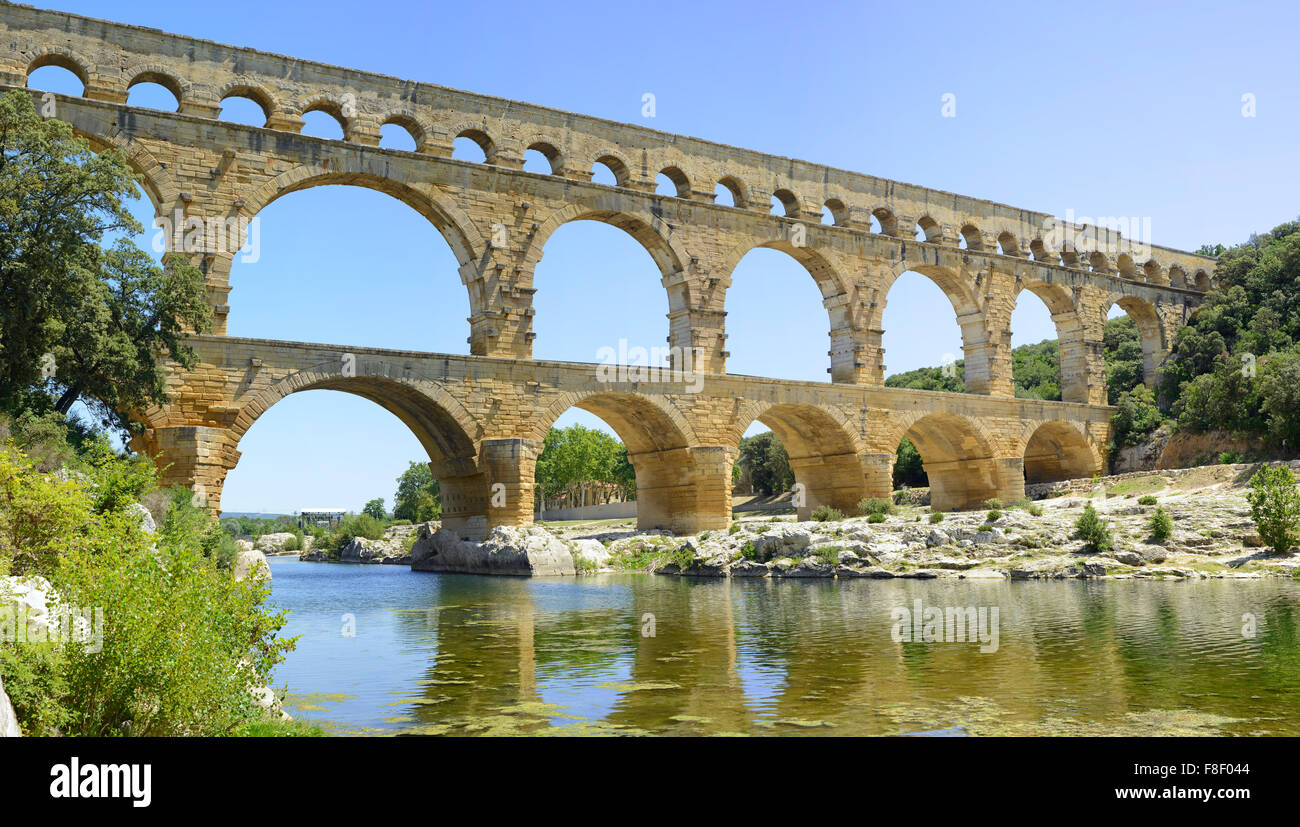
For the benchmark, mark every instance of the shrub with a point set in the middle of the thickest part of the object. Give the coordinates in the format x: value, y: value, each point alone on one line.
x: 986, y: 527
x: 33, y: 678
x: 683, y: 556
x: 749, y: 552
x: 874, y: 505
x: 1275, y: 507
x: 936, y: 516
x: 993, y: 504
x: 830, y: 555
x: 1034, y: 509
x: 1093, y: 530
x: 182, y: 641
x: 824, y: 513
x: 735, y: 527
x: 875, y: 518
x: 1147, y: 500
x: 1161, y: 524
x: 994, y: 515
x: 1229, y: 458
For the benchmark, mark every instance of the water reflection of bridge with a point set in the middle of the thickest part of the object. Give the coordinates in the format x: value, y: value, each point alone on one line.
x: 733, y: 656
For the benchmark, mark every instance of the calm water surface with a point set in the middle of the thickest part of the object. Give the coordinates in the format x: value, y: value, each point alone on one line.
x: 464, y: 654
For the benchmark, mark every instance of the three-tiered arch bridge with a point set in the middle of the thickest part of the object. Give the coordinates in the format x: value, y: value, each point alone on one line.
x: 482, y: 416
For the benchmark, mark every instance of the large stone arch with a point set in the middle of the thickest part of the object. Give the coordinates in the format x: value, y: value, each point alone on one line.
x: 957, y: 454
x: 968, y: 311
x: 681, y: 486
x: 824, y: 451
x: 1072, y: 362
x: 450, y: 436
x: 466, y: 242
x: 649, y: 230
x: 1150, y: 332
x: 460, y: 233
x: 1057, y: 450
x: 827, y: 275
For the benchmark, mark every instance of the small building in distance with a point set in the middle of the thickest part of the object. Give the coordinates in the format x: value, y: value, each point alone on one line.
x: 320, y: 517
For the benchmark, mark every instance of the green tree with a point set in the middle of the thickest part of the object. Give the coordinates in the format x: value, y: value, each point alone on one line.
x: 1093, y: 530
x: 764, y: 457
x: 375, y: 508
x: 79, y: 320
x: 1136, y: 415
x: 418, y: 496
x: 574, y: 456
x: 908, y: 468
x: 1275, y: 506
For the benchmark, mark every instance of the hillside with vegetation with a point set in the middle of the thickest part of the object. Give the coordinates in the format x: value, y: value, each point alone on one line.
x: 1234, y: 367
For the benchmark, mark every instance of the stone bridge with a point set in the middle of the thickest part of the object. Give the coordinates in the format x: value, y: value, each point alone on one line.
x: 482, y: 420
x: 481, y: 416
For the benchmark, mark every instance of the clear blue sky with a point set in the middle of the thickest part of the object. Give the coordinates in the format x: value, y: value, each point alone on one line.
x: 1102, y: 108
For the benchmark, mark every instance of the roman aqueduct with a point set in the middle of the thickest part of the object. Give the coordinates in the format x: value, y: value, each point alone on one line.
x: 482, y: 416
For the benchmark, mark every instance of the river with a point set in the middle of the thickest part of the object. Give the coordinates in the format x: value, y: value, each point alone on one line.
x: 387, y: 651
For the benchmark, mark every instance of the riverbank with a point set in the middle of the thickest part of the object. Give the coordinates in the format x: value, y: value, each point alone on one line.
x: 1213, y: 537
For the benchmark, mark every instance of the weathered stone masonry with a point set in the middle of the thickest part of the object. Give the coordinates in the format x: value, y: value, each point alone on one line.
x: 482, y: 417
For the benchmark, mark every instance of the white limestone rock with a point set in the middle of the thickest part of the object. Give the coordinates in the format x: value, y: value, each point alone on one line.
x: 252, y: 564
x: 522, y: 550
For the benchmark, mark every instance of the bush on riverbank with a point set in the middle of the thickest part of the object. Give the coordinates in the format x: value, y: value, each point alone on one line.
x: 182, y: 643
x: 1093, y: 530
x: 1275, y: 507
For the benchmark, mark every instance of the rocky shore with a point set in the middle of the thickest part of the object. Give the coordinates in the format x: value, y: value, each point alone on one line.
x: 393, y: 549
x: 1213, y: 537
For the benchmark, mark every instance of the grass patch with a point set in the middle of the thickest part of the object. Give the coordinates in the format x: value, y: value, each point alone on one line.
x: 1137, y: 485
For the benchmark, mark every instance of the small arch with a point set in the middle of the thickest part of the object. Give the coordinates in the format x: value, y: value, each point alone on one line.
x: 1038, y: 250
x: 785, y: 203
x: 1202, y: 281
x: 238, y: 113
x: 672, y: 181
x: 401, y: 132
x: 324, y: 119
x: 834, y: 212
x: 1126, y: 267
x: 1099, y: 262
x: 1177, y: 276
x: 885, y: 218
x: 467, y: 141
x: 1152, y: 272
x: 611, y: 170
x: 927, y: 229
x: 545, y: 158
x: 1009, y: 245
x: 147, y: 88
x: 60, y: 61
x: 971, y: 238
x: 734, y: 191
x: 1057, y: 451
